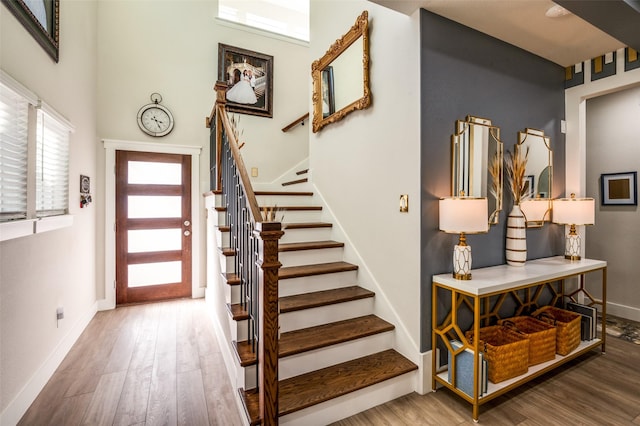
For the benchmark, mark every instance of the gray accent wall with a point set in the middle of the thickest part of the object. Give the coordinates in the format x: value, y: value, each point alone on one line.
x: 465, y: 72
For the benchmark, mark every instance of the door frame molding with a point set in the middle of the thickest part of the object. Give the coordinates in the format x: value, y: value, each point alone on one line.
x: 113, y: 145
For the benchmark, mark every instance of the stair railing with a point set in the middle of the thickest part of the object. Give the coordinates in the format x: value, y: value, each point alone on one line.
x: 255, y: 243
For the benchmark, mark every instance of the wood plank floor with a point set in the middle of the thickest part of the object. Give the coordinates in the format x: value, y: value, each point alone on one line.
x: 592, y: 390
x: 161, y: 364
x: 152, y: 364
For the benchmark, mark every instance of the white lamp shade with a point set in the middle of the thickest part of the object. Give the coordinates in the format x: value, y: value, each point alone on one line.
x: 464, y: 214
x: 574, y: 211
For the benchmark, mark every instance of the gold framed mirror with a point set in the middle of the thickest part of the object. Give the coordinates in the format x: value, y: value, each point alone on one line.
x: 341, y: 76
x: 476, y: 168
x: 536, y: 203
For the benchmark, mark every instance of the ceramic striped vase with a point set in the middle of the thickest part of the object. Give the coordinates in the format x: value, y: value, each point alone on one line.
x: 516, y: 238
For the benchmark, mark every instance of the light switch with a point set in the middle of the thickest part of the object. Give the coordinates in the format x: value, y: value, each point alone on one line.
x: 254, y: 172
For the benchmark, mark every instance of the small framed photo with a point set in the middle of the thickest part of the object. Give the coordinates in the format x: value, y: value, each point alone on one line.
x: 85, y: 184
x: 249, y: 78
x: 619, y: 189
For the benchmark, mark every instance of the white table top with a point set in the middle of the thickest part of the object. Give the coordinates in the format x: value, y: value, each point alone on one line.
x: 504, y: 277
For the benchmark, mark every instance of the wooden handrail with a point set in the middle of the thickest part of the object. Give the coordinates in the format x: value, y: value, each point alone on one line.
x: 266, y: 235
x: 256, y: 215
x: 295, y: 123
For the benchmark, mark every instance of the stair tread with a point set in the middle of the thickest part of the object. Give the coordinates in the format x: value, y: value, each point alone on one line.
x: 310, y: 245
x: 237, y: 311
x: 231, y: 278
x: 322, y: 298
x: 320, y: 336
x: 302, y: 225
x: 224, y: 228
x: 293, y: 182
x: 227, y: 251
x: 302, y: 172
x: 315, y: 269
x: 292, y: 193
x: 315, y: 387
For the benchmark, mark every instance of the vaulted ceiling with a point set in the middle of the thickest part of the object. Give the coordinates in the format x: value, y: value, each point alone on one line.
x: 592, y: 28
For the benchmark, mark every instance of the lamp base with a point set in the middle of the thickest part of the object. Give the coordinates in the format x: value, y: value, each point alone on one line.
x: 572, y: 257
x: 572, y: 247
x: 462, y: 262
x: 461, y: 276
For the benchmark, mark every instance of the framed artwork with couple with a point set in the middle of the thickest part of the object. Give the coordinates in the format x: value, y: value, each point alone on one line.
x: 249, y: 78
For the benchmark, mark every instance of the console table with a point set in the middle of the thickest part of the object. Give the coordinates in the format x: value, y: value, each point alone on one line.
x: 538, y: 283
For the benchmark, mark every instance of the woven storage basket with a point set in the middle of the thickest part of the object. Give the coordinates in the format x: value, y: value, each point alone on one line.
x: 542, y: 337
x: 506, y: 351
x: 567, y: 327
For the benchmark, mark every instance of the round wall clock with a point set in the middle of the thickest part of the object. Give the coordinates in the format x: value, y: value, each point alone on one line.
x: 155, y: 119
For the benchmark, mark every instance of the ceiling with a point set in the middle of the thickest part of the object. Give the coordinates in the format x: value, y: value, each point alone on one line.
x: 603, y: 26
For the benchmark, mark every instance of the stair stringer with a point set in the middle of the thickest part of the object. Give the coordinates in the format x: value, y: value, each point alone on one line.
x: 404, y: 344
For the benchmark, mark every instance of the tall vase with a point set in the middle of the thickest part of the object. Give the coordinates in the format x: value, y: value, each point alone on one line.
x: 516, y: 238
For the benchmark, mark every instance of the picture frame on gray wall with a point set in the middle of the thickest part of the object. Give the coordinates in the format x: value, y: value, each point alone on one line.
x: 619, y: 189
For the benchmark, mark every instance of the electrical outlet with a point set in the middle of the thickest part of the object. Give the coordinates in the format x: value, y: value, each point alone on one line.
x: 404, y: 203
x: 254, y: 172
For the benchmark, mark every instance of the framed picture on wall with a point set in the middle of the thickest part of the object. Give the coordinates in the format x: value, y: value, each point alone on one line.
x: 249, y: 78
x: 328, y: 94
x: 41, y: 18
x: 619, y: 189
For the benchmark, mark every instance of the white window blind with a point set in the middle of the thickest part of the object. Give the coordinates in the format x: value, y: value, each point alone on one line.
x: 52, y: 166
x: 287, y: 17
x: 14, y: 112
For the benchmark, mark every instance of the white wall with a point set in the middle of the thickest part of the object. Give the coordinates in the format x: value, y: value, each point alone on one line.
x: 362, y: 164
x: 40, y: 272
x: 172, y: 48
x: 612, y: 147
x: 580, y: 178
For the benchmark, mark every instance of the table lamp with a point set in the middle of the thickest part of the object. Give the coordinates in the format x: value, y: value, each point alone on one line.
x: 463, y: 215
x: 573, y: 211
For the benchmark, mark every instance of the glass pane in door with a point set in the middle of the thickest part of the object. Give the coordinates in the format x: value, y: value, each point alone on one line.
x: 144, y: 206
x: 142, y: 240
x: 144, y: 274
x: 142, y: 172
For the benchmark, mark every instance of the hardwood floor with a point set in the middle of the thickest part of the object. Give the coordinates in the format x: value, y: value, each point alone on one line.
x: 141, y: 365
x: 592, y: 390
x: 161, y: 364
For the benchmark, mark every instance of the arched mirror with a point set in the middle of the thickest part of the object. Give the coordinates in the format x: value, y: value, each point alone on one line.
x: 536, y: 204
x: 341, y: 76
x: 477, y: 162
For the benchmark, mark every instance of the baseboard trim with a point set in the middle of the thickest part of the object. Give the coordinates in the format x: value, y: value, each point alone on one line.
x: 623, y: 311
x: 16, y: 408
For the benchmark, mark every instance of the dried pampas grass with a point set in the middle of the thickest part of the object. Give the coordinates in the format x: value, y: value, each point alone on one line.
x: 516, y: 166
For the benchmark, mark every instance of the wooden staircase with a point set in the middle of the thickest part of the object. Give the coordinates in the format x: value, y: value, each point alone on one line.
x: 331, y: 344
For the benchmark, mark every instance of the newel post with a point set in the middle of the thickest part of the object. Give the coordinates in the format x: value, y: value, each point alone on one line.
x: 268, y: 234
x: 221, y: 101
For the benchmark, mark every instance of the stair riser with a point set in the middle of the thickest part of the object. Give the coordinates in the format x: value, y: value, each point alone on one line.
x: 309, y: 257
x: 238, y: 329
x: 226, y: 263
x: 325, y: 314
x: 222, y: 238
x: 285, y: 200
x: 321, y: 282
x: 352, y: 403
x: 299, y: 216
x: 305, y: 234
x: 295, y: 365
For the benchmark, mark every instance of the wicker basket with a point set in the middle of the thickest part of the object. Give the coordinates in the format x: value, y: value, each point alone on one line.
x: 542, y: 337
x: 506, y: 351
x: 567, y: 327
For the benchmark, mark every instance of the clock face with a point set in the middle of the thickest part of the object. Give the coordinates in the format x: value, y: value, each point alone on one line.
x: 155, y: 120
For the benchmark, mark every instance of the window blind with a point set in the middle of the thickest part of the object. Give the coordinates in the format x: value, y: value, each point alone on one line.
x: 52, y: 166
x: 14, y: 112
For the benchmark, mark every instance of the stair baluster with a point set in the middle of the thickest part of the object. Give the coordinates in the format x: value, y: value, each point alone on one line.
x: 255, y: 244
